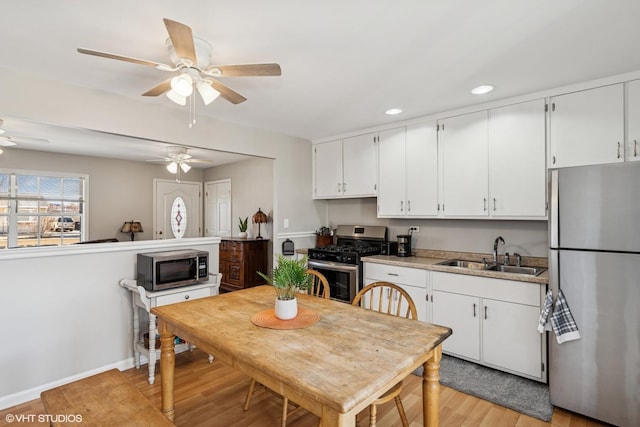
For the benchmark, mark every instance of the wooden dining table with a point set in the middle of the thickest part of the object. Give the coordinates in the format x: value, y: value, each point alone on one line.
x: 334, y: 367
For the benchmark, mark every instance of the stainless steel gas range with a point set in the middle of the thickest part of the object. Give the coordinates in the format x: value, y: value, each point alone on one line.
x: 340, y: 263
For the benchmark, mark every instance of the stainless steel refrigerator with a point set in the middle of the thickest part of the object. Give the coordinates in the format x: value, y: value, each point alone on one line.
x: 594, y: 258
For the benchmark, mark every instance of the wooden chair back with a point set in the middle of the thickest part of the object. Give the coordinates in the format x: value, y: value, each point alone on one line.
x: 319, y: 286
x: 387, y: 298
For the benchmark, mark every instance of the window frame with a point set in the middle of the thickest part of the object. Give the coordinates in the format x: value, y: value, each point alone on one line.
x: 13, y: 214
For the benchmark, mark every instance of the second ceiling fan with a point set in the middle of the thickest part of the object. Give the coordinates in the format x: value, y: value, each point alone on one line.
x: 191, y: 58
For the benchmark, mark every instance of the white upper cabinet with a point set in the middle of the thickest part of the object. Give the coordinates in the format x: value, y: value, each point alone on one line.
x: 345, y: 168
x: 327, y: 162
x: 517, y: 174
x: 587, y: 127
x: 408, y: 172
x: 632, y: 150
x: 465, y: 183
x: 391, y: 173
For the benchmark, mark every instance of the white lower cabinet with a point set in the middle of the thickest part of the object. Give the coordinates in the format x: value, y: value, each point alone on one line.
x: 494, y: 322
x: 412, y: 280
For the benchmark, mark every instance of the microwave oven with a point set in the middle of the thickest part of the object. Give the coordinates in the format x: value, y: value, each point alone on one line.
x: 157, y: 271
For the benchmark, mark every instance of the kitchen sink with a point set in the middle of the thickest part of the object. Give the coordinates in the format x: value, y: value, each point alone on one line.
x: 475, y: 265
x: 464, y: 264
x: 532, y: 271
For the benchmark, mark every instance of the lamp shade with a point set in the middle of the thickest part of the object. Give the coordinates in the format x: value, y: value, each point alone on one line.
x: 172, y: 167
x: 132, y: 227
x: 182, y: 84
x: 259, y: 217
x: 185, y: 167
x: 178, y: 99
x: 207, y: 93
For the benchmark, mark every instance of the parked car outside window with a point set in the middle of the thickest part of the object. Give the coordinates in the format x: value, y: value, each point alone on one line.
x: 63, y: 223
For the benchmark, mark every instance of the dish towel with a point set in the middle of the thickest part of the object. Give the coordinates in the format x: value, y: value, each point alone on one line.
x: 562, y: 322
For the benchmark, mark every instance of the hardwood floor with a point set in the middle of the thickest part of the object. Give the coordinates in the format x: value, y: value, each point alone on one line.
x: 212, y: 395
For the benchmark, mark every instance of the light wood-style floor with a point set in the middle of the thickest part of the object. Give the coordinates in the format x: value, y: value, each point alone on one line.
x: 212, y: 395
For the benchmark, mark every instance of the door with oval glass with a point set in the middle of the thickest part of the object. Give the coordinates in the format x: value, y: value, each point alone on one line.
x: 177, y: 209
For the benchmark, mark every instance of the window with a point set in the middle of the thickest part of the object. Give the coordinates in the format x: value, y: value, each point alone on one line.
x: 41, y: 209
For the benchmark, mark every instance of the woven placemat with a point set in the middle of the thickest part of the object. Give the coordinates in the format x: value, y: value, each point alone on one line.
x: 268, y: 319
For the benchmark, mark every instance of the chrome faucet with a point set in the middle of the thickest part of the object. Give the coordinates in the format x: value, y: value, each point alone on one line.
x: 498, y: 240
x: 518, y: 259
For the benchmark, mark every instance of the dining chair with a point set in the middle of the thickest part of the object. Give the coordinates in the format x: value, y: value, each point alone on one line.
x: 319, y: 288
x: 387, y: 298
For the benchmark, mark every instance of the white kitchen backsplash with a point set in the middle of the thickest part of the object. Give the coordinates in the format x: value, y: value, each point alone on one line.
x: 528, y: 238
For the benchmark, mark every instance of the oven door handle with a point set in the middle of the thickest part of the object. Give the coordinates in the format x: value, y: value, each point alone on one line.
x: 332, y: 265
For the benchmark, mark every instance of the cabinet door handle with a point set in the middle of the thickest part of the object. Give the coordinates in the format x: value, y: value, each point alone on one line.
x: 553, y: 159
x: 344, y: 187
x: 474, y: 310
x: 494, y: 204
x: 186, y: 297
x: 401, y: 205
x: 393, y: 274
x: 618, y: 149
x: 485, y: 204
x: 408, y: 205
x: 485, y: 312
x: 635, y: 148
x: 339, y: 190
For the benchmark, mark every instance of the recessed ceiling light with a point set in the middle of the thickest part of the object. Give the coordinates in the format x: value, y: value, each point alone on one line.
x: 393, y: 111
x: 480, y: 90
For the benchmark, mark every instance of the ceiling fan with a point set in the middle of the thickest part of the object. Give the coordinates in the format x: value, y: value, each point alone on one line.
x: 13, y: 140
x: 191, y: 58
x: 178, y: 157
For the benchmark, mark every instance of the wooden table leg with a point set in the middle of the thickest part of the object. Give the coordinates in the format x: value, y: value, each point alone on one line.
x: 431, y: 389
x: 331, y: 418
x: 167, y: 368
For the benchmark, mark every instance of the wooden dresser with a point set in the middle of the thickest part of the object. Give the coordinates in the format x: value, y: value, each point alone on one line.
x: 240, y: 259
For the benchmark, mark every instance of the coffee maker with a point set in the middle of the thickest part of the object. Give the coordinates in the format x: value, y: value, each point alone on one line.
x: 404, y: 245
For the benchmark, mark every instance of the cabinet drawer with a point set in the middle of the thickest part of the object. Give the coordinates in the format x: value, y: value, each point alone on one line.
x: 398, y: 275
x: 183, y: 296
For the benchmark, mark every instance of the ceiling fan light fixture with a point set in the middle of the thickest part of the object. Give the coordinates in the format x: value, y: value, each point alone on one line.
x: 172, y: 167
x: 182, y: 84
x: 2, y: 131
x: 185, y: 167
x: 208, y: 93
x: 178, y: 99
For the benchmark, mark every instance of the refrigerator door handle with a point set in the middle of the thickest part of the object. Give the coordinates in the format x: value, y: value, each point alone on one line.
x: 554, y: 273
x: 553, y: 209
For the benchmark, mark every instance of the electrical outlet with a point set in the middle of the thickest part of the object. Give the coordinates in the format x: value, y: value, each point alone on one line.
x: 285, y: 223
x: 415, y: 228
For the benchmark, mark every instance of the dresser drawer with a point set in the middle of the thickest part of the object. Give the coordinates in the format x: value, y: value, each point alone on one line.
x: 183, y: 296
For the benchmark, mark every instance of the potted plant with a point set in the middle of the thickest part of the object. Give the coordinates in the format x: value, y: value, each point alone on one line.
x: 242, y: 225
x: 288, y: 277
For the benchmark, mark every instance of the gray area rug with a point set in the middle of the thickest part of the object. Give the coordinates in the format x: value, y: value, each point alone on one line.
x: 520, y: 394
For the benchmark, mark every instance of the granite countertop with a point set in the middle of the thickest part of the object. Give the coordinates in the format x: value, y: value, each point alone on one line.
x: 428, y: 259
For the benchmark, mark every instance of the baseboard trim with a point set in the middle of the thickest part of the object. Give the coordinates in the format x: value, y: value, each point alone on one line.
x: 34, y: 393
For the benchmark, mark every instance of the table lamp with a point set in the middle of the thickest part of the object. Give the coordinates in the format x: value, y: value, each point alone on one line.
x: 259, y: 218
x: 132, y: 227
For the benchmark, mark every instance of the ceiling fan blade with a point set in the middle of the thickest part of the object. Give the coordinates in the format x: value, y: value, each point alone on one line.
x: 160, y: 89
x: 204, y: 162
x: 5, y: 141
x: 182, y: 39
x: 248, y: 70
x: 122, y: 58
x: 227, y: 93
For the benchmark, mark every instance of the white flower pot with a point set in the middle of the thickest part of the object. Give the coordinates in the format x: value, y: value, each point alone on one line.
x: 242, y: 234
x: 286, y: 309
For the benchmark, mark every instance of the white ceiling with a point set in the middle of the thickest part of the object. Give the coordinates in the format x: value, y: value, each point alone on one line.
x: 343, y: 62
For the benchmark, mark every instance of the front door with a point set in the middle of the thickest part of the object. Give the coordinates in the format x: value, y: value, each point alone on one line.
x: 178, y: 207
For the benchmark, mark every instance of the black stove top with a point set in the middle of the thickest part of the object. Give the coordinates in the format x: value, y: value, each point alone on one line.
x: 345, y: 253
